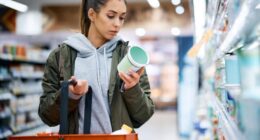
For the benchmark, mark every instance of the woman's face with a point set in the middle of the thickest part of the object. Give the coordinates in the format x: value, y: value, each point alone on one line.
x: 110, y: 18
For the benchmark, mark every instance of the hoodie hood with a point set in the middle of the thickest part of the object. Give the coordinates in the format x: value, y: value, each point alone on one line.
x: 85, y: 48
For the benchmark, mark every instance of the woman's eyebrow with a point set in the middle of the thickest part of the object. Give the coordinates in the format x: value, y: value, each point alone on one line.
x: 116, y: 12
x: 112, y: 11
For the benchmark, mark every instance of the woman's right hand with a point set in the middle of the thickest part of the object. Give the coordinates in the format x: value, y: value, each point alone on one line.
x: 80, y: 88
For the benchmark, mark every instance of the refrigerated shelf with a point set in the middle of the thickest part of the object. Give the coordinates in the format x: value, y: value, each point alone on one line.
x: 241, y: 29
x: 227, y: 124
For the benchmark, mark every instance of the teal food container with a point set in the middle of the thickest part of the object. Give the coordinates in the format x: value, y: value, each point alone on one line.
x: 249, y: 66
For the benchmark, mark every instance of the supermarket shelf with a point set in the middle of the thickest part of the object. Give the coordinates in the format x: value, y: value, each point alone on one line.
x: 6, y: 113
x: 39, y: 129
x: 21, y: 76
x: 220, y: 86
x: 36, y: 77
x: 241, y: 28
x: 234, y: 90
x: 44, y: 38
x: 26, y: 109
x: 5, y: 134
x: 5, y: 96
x: 18, y: 93
x: 28, y: 126
x: 5, y: 78
x: 8, y: 58
x: 227, y: 124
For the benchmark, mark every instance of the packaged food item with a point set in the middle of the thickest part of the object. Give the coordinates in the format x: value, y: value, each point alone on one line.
x: 136, y: 58
x: 124, y: 130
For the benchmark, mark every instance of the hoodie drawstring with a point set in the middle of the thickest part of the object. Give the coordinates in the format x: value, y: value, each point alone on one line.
x: 106, y: 67
x: 98, y: 70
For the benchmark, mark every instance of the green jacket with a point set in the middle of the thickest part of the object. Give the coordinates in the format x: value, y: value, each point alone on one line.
x: 132, y: 107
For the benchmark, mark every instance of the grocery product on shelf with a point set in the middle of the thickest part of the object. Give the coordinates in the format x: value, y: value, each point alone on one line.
x: 22, y: 60
x: 233, y: 54
x: 249, y: 60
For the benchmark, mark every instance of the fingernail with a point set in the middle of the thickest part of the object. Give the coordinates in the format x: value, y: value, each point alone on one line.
x: 130, y: 71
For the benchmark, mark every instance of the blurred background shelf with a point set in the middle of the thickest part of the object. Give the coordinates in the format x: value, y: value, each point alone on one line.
x: 7, y: 59
x: 241, y: 30
x: 6, y: 113
x: 28, y: 126
x: 6, y: 96
x: 5, y: 78
x: 227, y: 124
x: 234, y: 90
x: 5, y: 134
x: 229, y: 69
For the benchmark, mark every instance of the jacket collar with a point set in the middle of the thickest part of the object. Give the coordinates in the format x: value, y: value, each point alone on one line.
x: 118, y: 54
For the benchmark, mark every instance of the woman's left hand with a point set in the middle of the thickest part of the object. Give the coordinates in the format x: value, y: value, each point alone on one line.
x: 132, y: 79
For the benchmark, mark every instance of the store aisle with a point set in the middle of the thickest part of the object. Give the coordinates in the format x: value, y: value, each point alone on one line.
x: 162, y: 126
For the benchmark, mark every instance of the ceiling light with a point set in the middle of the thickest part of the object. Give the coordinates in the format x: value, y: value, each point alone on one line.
x: 154, y: 3
x: 25, y: 22
x: 179, y: 10
x: 14, y: 5
x: 175, y: 31
x: 140, y: 32
x: 176, y: 2
x: 258, y: 6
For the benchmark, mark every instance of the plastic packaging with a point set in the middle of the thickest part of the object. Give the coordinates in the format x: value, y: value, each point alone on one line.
x: 124, y: 130
x: 136, y: 58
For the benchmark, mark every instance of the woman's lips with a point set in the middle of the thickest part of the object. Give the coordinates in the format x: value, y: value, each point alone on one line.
x: 113, y: 32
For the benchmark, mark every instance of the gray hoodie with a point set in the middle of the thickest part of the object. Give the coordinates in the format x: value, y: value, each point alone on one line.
x: 94, y: 65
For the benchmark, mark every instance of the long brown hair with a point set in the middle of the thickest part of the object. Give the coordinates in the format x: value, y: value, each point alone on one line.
x: 86, y: 5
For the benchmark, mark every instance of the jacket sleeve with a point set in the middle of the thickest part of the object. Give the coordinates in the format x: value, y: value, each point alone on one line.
x: 138, y: 101
x: 49, y: 107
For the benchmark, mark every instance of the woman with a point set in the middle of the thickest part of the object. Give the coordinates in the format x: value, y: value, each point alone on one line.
x: 91, y: 59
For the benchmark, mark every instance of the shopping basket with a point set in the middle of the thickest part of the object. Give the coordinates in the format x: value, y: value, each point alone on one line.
x: 132, y: 136
x: 63, y: 134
